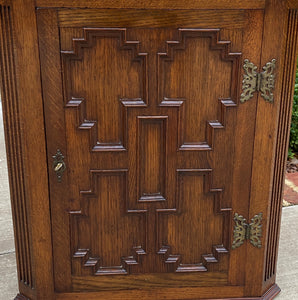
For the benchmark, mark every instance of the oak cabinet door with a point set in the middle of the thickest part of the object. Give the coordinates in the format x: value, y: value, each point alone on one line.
x: 143, y: 107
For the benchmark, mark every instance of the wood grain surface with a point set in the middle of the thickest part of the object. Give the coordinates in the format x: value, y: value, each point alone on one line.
x: 284, y: 124
x: 155, y: 4
x: 266, y: 139
x: 33, y: 149
x: 142, y: 99
x: 148, y: 146
x: 150, y: 18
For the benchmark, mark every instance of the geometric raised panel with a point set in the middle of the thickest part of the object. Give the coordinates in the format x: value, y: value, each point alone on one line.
x: 187, y: 230
x: 98, y: 72
x: 199, y: 54
x: 101, y: 228
x: 150, y: 229
x: 109, y: 238
x: 152, y: 157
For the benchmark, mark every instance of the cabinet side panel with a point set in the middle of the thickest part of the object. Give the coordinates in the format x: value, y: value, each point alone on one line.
x: 14, y: 148
x: 282, y: 145
x: 32, y: 139
x: 266, y: 135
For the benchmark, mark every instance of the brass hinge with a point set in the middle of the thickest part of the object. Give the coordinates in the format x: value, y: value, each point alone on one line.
x: 244, y: 231
x: 262, y: 82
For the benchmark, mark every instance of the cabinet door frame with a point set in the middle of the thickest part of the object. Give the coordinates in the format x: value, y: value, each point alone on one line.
x: 48, y: 20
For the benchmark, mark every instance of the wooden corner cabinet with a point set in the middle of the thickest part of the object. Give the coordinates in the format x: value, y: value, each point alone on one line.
x: 146, y: 144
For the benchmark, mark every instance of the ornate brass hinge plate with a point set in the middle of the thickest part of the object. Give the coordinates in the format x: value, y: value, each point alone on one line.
x: 244, y: 231
x: 254, y: 81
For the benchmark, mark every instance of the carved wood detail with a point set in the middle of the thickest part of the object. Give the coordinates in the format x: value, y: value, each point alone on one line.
x: 151, y: 233
x: 208, y: 260
x: 91, y: 35
x: 88, y: 41
x: 282, y: 145
x: 150, y: 253
x: 14, y: 148
x: 225, y: 54
x: 171, y: 233
x: 149, y: 158
x: 84, y: 260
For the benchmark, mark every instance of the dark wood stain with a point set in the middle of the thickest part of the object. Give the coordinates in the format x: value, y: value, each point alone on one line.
x: 155, y: 4
x: 142, y: 99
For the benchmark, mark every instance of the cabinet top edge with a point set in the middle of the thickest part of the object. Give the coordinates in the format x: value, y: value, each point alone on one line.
x: 154, y: 4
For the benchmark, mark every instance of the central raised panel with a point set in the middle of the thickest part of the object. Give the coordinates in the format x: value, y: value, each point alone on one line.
x: 152, y: 157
